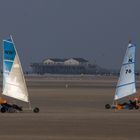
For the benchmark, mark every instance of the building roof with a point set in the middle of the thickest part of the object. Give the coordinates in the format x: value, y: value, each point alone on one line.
x: 63, y: 60
x: 58, y: 59
x: 55, y: 59
x: 80, y: 59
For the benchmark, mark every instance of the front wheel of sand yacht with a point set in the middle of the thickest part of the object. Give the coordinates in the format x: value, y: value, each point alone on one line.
x: 36, y: 110
x: 107, y: 106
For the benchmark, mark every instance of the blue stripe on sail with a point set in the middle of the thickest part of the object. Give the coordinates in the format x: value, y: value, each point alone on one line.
x: 9, y: 54
x: 126, y: 84
x: 7, y: 66
x: 9, y: 51
x: 128, y: 63
x: 131, y: 46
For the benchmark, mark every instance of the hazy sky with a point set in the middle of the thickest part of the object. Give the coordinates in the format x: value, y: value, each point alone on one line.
x: 98, y: 30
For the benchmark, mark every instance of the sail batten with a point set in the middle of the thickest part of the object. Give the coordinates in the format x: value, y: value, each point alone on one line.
x: 13, y: 80
x: 126, y: 84
x: 129, y: 63
x: 8, y: 61
x: 9, y: 41
x: 12, y: 84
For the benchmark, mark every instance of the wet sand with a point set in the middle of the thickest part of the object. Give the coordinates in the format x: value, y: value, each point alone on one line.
x: 71, y: 109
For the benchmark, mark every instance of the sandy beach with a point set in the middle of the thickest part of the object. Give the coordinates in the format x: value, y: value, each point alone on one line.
x: 71, y: 109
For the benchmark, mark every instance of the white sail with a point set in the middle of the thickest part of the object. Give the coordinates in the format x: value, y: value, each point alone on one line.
x: 126, y: 83
x: 13, y: 79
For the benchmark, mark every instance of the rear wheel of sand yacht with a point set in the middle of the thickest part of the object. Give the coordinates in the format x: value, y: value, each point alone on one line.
x: 3, y: 110
x: 107, y: 106
x: 36, y: 110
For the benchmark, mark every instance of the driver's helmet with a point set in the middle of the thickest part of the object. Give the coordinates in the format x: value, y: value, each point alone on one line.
x: 2, y: 100
x: 136, y: 99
